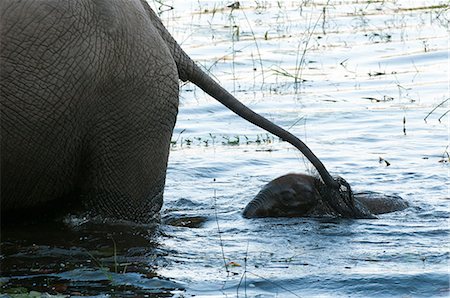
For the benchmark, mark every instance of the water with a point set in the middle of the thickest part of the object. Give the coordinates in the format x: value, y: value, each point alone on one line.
x: 355, y: 83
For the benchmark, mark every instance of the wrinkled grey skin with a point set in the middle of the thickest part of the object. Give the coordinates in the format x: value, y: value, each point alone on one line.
x: 295, y: 195
x: 89, y: 99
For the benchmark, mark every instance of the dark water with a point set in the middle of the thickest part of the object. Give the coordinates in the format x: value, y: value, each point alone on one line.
x: 370, y: 73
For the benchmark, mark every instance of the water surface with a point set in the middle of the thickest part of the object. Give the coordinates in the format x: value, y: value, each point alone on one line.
x: 355, y: 80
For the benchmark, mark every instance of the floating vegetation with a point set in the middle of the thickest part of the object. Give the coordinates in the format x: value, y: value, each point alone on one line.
x: 379, y: 37
x: 384, y: 99
x: 225, y: 140
x: 404, y: 125
x: 380, y: 73
x: 384, y: 161
x: 445, y: 156
x: 431, y: 7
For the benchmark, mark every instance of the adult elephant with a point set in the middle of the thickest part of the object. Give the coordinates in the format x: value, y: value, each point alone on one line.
x: 89, y: 99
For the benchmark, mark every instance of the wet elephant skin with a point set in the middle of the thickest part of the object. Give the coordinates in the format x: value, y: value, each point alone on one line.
x: 89, y: 99
x: 296, y: 195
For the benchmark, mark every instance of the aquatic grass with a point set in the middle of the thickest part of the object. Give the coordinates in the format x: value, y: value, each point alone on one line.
x: 277, y: 285
x: 381, y: 160
x: 235, y: 37
x: 430, y: 7
x: 443, y: 115
x: 379, y: 37
x: 162, y: 6
x: 300, y: 63
x: 257, y: 48
x: 104, y: 269
x: 435, y: 108
x: 385, y: 98
x: 114, y: 253
x: 401, y: 90
x: 404, y: 125
x: 227, y: 265
x: 226, y: 140
x: 220, y: 234
x: 300, y: 60
x: 243, y: 275
x: 174, y: 142
x: 216, y: 9
x: 445, y: 156
x: 285, y: 73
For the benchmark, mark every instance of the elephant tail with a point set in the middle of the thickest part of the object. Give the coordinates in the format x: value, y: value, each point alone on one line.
x: 189, y: 71
x: 207, y: 84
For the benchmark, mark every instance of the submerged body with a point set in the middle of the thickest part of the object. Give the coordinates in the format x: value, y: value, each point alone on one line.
x: 295, y: 195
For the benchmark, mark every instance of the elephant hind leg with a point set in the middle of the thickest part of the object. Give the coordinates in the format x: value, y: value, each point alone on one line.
x: 121, y: 206
x: 130, y: 119
x: 124, y: 178
x: 124, y: 168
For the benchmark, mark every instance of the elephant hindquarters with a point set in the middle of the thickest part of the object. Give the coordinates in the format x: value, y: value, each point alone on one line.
x: 130, y: 128
x: 34, y: 175
x: 89, y: 100
x: 127, y: 153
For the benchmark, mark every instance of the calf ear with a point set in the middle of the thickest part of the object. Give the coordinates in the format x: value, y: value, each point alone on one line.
x: 305, y: 193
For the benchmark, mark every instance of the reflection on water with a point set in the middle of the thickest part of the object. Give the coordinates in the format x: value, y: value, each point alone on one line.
x: 370, y: 73
x: 83, y: 259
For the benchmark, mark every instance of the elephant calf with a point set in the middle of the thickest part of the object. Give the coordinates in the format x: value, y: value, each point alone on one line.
x: 89, y: 99
x: 295, y: 195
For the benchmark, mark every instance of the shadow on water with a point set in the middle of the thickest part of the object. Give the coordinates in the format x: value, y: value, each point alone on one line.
x: 79, y: 258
